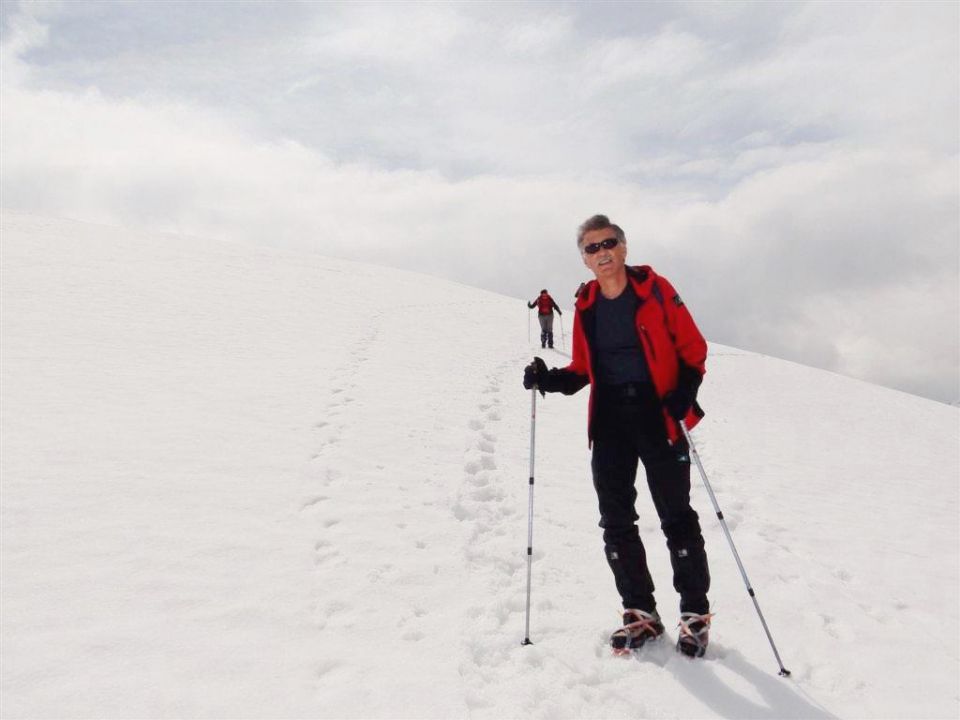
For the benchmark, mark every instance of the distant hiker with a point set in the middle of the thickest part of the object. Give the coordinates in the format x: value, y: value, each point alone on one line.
x: 545, y: 306
x: 637, y: 346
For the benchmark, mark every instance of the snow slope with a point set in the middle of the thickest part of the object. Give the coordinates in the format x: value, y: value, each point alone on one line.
x: 238, y: 482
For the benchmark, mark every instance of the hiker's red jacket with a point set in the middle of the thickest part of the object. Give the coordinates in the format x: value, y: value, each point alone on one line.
x: 675, y: 350
x: 544, y: 304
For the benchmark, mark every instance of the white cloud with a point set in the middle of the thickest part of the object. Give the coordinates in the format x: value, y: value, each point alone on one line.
x: 802, y: 191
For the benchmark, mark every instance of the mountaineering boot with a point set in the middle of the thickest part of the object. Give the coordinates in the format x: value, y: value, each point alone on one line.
x: 694, y: 634
x: 639, y: 626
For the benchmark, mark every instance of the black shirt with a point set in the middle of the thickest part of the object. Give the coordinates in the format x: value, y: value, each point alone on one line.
x: 619, y: 355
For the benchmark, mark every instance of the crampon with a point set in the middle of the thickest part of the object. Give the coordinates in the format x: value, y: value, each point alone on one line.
x: 694, y: 634
x: 639, y: 626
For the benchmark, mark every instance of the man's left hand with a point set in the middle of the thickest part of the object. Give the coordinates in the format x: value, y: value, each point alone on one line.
x: 678, y: 404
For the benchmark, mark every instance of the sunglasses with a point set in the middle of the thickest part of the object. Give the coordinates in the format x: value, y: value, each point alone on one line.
x: 607, y: 244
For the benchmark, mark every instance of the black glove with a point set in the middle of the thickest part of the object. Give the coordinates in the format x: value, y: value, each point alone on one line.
x: 534, y: 374
x: 679, y: 400
x: 678, y: 404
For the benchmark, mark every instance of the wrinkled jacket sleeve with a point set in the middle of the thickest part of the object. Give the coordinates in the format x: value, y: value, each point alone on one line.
x: 689, y: 342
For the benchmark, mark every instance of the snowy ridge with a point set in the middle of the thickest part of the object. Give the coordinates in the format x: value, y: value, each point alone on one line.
x: 244, y: 482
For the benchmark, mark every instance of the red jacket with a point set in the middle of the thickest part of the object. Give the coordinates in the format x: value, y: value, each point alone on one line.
x: 671, y: 342
x: 544, y: 304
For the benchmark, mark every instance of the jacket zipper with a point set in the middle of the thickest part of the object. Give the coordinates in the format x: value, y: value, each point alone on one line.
x: 649, y: 342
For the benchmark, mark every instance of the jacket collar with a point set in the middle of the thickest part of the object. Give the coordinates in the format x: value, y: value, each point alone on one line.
x: 640, y: 278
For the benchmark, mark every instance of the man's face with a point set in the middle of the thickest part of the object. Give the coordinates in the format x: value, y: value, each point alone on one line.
x: 606, y: 262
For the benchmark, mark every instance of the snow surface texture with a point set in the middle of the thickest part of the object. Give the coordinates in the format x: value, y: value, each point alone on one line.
x: 239, y: 482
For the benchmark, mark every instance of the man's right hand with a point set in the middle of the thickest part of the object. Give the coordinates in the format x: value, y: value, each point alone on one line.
x: 534, y: 374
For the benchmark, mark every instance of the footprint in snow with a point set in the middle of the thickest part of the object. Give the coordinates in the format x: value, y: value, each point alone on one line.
x: 312, y: 502
x: 324, y: 552
x: 327, y: 668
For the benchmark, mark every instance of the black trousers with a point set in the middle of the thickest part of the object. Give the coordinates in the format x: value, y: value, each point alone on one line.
x: 628, y: 427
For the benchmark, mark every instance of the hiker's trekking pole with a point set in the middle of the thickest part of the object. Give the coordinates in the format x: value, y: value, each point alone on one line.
x: 533, y: 435
x: 726, y: 531
x: 563, y: 337
x: 528, y: 326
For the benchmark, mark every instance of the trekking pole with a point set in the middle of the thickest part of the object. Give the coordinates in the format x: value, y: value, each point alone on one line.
x: 528, y: 326
x: 723, y: 523
x: 533, y: 427
x: 563, y: 337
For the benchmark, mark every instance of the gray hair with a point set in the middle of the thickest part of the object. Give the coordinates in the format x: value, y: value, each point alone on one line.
x: 599, y: 222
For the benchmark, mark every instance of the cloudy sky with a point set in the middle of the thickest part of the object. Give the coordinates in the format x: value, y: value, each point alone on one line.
x: 793, y: 168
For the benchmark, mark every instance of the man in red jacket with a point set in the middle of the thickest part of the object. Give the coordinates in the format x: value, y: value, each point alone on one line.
x: 637, y: 346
